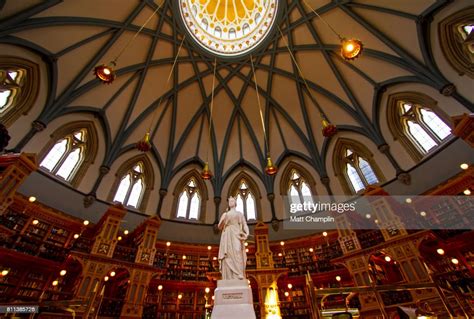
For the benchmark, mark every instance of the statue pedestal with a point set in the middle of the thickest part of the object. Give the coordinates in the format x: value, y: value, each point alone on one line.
x: 233, y: 300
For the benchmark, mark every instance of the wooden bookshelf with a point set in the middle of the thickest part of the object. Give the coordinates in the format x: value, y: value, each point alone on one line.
x: 9, y: 283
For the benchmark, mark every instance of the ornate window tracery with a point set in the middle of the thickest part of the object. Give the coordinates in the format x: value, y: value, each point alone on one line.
x: 67, y: 155
x: 189, y: 202
x: 130, y: 189
x: 457, y: 40
x: 19, y: 85
x: 133, y: 184
x: 247, y: 196
x: 190, y: 196
x: 355, y: 167
x: 415, y: 120
x: 299, y: 191
x: 246, y: 203
x: 70, y: 151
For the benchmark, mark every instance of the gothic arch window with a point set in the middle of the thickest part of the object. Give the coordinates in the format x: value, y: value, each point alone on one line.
x: 245, y: 191
x: 355, y: 167
x: 134, y: 181
x: 19, y: 85
x: 457, y: 40
x: 297, y: 183
x: 70, y: 152
x: 189, y: 201
x: 416, y: 121
x: 190, y: 198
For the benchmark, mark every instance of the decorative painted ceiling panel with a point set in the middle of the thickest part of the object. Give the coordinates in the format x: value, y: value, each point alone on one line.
x: 89, y: 33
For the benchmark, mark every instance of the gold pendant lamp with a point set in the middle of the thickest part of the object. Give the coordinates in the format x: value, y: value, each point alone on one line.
x: 350, y: 48
x: 206, y: 173
x: 144, y: 145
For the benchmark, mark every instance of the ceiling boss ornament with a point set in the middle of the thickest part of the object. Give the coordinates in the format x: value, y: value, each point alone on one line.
x: 228, y: 27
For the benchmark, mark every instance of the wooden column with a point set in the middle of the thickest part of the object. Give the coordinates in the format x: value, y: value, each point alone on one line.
x: 14, y: 169
x: 266, y: 274
x: 145, y: 237
x: 464, y: 127
x: 137, y: 289
x: 107, y: 230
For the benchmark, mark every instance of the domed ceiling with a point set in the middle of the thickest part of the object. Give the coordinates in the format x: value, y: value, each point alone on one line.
x: 73, y: 37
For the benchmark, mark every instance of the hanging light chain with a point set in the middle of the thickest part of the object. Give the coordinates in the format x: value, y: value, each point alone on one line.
x: 114, y: 61
x: 211, y: 109
x: 293, y: 58
x: 317, y: 14
x: 259, y: 104
x: 167, y: 82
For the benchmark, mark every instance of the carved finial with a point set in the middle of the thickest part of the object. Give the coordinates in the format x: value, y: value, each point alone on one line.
x: 89, y: 199
x: 104, y: 170
x: 275, y: 224
x: 405, y: 178
x: 38, y: 126
x: 448, y: 89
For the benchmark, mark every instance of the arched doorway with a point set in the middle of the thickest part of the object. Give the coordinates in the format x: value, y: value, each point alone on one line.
x: 68, y: 280
x: 154, y: 295
x: 385, y: 270
x: 113, y: 292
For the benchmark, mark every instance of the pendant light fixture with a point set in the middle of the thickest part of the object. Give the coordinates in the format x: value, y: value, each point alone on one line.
x: 106, y: 72
x: 270, y: 169
x: 144, y: 145
x: 206, y: 173
x: 350, y: 48
x: 328, y: 129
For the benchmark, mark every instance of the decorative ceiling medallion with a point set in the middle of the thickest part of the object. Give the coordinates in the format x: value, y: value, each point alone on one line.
x: 228, y: 27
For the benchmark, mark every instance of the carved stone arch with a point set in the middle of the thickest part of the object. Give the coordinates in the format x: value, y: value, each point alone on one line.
x: 183, y: 181
x: 455, y: 48
x: 339, y: 163
x: 148, y: 172
x: 234, y: 187
x: 286, y: 177
x: 27, y: 91
x: 90, y: 152
x: 395, y: 125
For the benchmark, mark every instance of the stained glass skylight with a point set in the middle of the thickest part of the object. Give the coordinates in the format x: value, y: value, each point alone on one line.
x: 228, y: 27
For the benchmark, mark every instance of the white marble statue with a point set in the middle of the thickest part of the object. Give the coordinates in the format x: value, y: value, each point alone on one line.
x: 232, y: 255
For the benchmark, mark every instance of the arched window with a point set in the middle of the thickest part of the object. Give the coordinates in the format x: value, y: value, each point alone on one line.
x: 246, y: 201
x: 131, y: 187
x: 66, y: 155
x: 134, y: 181
x: 299, y: 191
x: 70, y: 151
x: 457, y: 40
x: 19, y: 84
x: 415, y: 120
x: 190, y: 197
x: 297, y: 184
x: 189, y: 202
x: 11, y: 81
x: 358, y: 171
x: 354, y: 166
x: 245, y: 191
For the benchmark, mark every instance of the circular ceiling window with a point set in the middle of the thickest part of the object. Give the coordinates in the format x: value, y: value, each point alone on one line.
x: 229, y: 27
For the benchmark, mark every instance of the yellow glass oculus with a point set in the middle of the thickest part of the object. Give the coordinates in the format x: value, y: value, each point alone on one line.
x: 229, y: 27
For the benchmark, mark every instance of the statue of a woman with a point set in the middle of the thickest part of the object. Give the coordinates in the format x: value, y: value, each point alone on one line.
x: 232, y: 255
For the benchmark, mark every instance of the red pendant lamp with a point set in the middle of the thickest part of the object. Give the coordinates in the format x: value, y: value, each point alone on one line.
x: 106, y: 72
x: 270, y: 168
